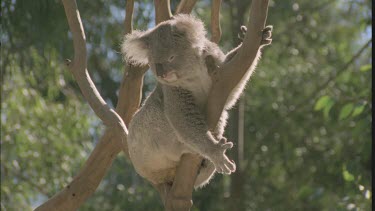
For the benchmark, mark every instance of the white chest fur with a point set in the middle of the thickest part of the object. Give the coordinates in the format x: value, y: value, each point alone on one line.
x: 199, y: 84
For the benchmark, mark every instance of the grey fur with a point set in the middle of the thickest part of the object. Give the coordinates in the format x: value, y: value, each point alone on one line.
x: 171, y: 121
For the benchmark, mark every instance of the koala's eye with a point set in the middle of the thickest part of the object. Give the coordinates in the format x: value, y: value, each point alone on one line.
x: 171, y: 58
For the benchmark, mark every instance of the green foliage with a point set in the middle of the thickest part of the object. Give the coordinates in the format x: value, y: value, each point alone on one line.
x: 44, y: 131
x: 307, y: 107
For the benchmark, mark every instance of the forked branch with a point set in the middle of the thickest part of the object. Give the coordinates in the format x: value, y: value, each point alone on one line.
x: 100, y: 160
x: 79, y: 69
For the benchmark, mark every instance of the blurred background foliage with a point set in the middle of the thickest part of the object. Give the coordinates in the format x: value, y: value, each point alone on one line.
x: 303, y: 126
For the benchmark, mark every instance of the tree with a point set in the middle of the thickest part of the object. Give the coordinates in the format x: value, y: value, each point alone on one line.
x: 225, y: 80
x: 298, y: 153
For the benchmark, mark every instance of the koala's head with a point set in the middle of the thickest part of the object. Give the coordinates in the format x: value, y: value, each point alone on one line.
x: 172, y: 49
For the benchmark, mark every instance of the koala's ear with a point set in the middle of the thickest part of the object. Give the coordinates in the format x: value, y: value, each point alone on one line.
x: 135, y: 48
x: 192, y: 28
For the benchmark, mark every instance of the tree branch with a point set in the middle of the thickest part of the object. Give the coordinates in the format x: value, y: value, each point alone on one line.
x: 185, y: 6
x: 79, y: 69
x: 100, y: 160
x: 215, y: 21
x: 162, y: 10
x: 130, y: 93
x: 128, y: 22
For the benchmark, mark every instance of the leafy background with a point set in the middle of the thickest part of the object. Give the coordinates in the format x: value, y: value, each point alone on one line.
x: 306, y: 111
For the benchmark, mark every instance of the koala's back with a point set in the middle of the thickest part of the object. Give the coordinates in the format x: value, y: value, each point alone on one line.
x: 153, y: 145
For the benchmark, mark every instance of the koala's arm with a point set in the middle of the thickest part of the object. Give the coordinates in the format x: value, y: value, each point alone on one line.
x: 191, y: 128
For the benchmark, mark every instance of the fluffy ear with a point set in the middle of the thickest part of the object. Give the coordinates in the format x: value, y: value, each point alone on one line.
x: 135, y: 48
x: 192, y: 27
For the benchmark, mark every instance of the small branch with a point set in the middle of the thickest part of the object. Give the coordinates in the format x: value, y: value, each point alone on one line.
x: 185, y: 6
x: 227, y: 79
x: 79, y: 69
x: 128, y: 22
x: 162, y: 10
x: 130, y: 93
x: 215, y: 21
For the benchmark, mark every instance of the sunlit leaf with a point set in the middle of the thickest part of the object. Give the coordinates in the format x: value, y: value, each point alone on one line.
x: 358, y: 110
x: 365, y: 68
x: 322, y: 102
x: 327, y: 108
x: 346, y: 110
x: 347, y: 175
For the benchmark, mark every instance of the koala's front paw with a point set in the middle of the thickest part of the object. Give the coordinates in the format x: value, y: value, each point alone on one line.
x: 220, y: 160
x: 266, y: 36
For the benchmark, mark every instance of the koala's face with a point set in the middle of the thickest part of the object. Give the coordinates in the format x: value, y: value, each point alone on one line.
x: 171, y: 56
x: 172, y: 49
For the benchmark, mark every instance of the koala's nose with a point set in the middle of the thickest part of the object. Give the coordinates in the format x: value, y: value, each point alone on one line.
x: 159, y: 69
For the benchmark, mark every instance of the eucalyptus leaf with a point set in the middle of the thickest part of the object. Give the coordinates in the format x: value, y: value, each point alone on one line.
x: 365, y: 68
x: 327, y: 108
x: 322, y: 102
x: 358, y: 110
x: 346, y: 111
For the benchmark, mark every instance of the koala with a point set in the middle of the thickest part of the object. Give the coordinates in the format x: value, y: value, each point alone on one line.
x: 171, y: 120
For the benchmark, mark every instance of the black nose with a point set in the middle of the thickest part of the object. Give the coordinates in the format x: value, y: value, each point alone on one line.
x: 159, y: 69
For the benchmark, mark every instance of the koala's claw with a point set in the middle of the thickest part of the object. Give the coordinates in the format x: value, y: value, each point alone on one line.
x: 222, y: 164
x: 241, y: 35
x: 228, y: 167
x: 266, y: 36
x: 228, y: 145
x: 222, y: 141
